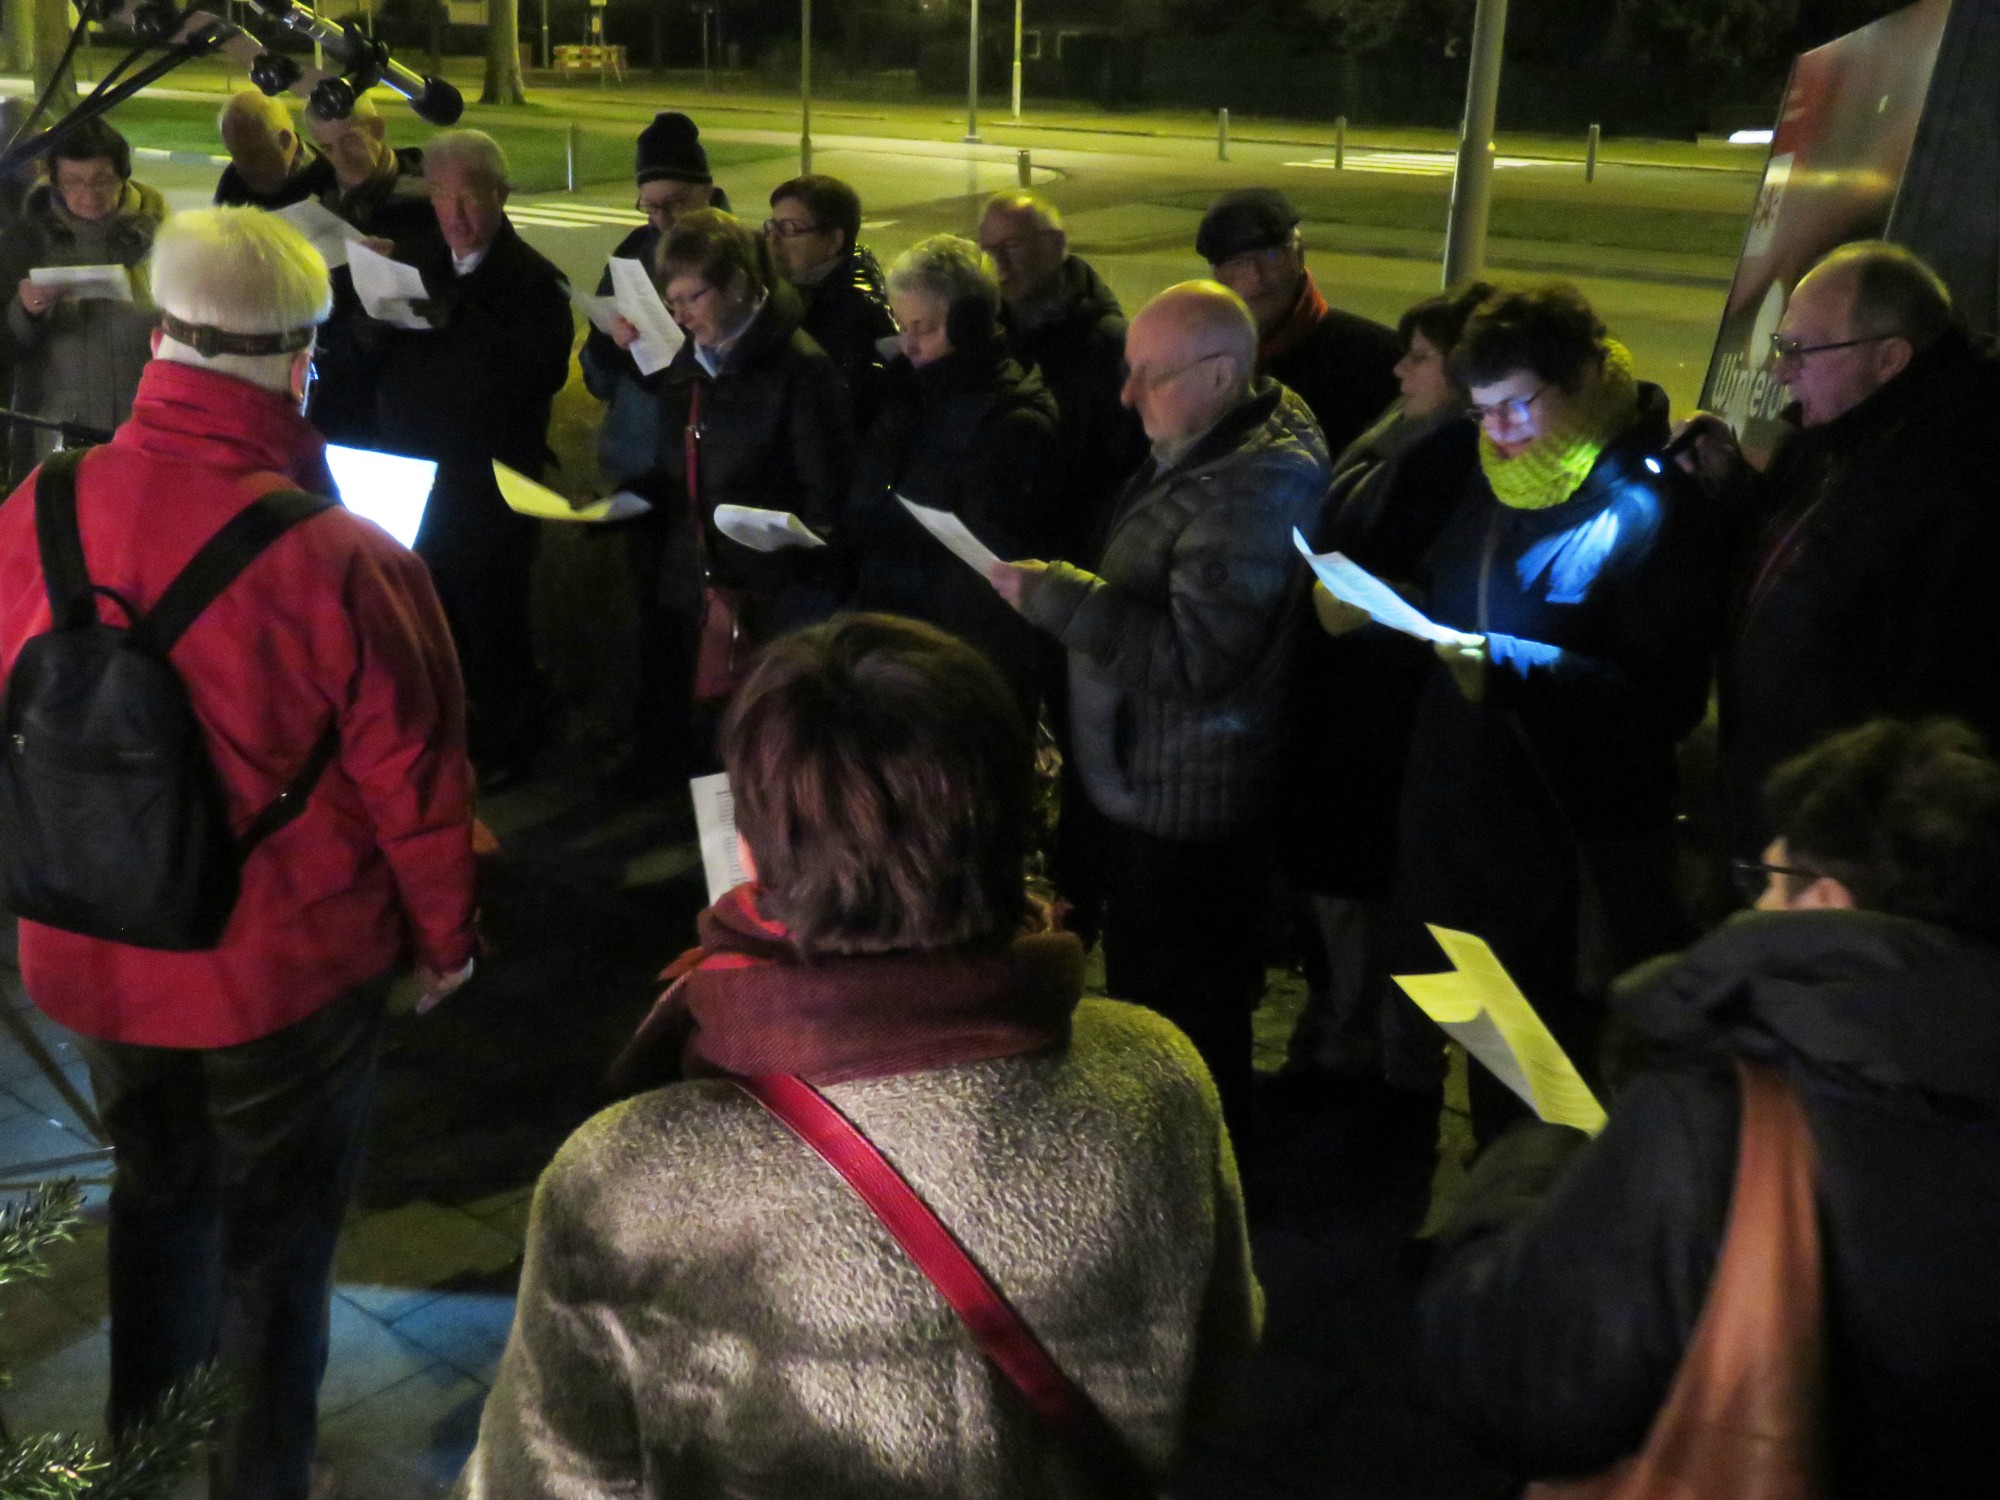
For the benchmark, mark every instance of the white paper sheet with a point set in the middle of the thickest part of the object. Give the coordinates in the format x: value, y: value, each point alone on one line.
x: 387, y: 488
x: 387, y: 287
x: 956, y: 535
x: 715, y: 823
x: 1348, y: 580
x: 600, y: 310
x: 328, y: 232
x: 638, y: 301
x: 764, y: 530
x: 1479, y: 1005
x: 528, y: 498
x: 86, y: 283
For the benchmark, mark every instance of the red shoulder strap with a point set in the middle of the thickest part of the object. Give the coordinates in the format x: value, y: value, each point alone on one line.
x: 1100, y: 1450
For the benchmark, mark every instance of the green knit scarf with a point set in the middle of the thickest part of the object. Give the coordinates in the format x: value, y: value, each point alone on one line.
x: 1549, y: 470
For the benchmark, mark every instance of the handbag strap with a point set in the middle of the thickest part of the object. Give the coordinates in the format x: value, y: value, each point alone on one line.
x: 1100, y: 1450
x: 691, y: 454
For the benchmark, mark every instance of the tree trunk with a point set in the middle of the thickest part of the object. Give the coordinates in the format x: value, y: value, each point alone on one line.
x: 36, y: 33
x: 503, y: 55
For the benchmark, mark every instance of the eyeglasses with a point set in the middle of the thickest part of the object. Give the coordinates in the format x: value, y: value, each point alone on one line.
x: 1016, y: 247
x: 96, y: 182
x: 1512, y: 411
x: 681, y: 306
x: 666, y: 208
x: 1148, y: 381
x: 785, y: 229
x: 1785, y: 348
x: 1753, y: 876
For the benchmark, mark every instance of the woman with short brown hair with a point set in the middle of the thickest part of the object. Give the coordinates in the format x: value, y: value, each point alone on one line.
x: 707, y: 1309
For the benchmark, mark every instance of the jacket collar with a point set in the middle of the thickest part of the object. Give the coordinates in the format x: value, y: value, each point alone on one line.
x: 200, y: 416
x: 1236, y: 428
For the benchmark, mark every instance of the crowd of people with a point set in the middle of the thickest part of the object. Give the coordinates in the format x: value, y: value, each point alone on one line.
x: 1246, y: 759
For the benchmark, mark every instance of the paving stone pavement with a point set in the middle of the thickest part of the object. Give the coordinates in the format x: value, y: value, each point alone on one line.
x: 583, y: 906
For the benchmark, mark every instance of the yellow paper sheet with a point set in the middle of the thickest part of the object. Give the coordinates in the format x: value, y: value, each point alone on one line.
x: 528, y: 498
x: 1479, y: 1005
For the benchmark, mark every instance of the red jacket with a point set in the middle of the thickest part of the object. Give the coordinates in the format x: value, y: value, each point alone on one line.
x: 335, y: 618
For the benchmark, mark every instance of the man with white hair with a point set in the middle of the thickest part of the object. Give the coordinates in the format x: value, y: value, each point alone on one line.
x: 1180, y: 647
x: 476, y: 387
x: 270, y: 166
x: 233, y: 1080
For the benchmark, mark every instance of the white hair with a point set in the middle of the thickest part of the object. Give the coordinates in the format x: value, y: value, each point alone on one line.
x: 946, y: 267
x: 243, y: 271
x: 473, y: 150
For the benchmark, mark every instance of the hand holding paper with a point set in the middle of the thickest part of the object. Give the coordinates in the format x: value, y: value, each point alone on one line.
x: 1347, y: 580
x: 764, y: 530
x: 86, y: 283
x: 527, y: 498
x: 638, y: 303
x: 387, y: 288
x: 1479, y: 1006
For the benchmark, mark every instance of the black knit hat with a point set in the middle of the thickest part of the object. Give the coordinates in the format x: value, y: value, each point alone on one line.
x: 670, y: 147
x: 1245, y: 220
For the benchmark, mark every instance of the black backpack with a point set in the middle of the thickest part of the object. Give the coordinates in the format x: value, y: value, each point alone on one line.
x: 113, y: 822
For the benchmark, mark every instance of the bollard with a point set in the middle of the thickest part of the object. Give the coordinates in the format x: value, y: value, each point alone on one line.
x: 1339, y: 143
x: 1222, y: 135
x: 570, y: 138
x: 1590, y: 154
x: 1024, y: 167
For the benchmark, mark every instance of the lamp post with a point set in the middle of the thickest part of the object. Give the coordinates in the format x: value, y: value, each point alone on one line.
x: 547, y: 59
x: 972, y: 78
x: 1017, y: 59
x: 1472, y: 182
x: 805, y: 86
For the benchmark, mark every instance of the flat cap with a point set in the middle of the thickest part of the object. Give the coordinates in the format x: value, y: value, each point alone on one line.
x: 1245, y: 220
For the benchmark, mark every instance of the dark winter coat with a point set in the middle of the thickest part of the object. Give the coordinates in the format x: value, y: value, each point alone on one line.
x: 1356, y: 696
x: 1870, y: 590
x: 311, y: 175
x: 774, y: 435
x: 976, y: 435
x: 847, y: 314
x: 1342, y: 370
x: 1180, y: 645
x: 628, y: 439
x: 476, y: 388
x: 1600, y: 614
x: 1557, y: 1338
x: 1076, y: 343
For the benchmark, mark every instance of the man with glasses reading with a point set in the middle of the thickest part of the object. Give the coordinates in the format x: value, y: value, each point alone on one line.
x: 1180, y: 649
x: 1872, y: 541
x: 812, y: 236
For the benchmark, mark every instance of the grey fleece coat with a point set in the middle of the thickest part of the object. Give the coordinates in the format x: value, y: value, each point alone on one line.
x: 79, y: 361
x: 1180, y: 645
x: 707, y: 1310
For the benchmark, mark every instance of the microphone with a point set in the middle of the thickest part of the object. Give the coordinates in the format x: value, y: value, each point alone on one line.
x: 365, y: 62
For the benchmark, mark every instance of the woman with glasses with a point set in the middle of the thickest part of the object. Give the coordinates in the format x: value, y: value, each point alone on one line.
x: 77, y: 353
x: 962, y: 428
x: 1537, y: 803
x: 752, y: 413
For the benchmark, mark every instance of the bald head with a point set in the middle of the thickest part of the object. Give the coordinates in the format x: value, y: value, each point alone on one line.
x: 1856, y: 321
x: 1191, y: 353
x: 1024, y: 235
x: 262, y: 143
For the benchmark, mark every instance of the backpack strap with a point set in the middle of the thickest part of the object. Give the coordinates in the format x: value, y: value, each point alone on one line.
x: 289, y: 803
x: 1100, y: 1450
x: 226, y: 554
x: 64, y: 574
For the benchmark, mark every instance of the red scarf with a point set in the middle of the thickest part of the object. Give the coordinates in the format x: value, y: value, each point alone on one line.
x: 745, y: 1003
x: 1298, y: 326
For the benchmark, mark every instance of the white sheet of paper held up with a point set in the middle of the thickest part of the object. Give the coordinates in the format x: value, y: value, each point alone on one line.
x: 765, y: 530
x: 1479, y: 1005
x: 329, y: 232
x: 387, y: 488
x: 387, y: 287
x: 1347, y: 579
x: 660, y: 337
x: 600, y: 310
x: 955, y: 534
x: 527, y: 498
x: 715, y: 824
x: 86, y: 283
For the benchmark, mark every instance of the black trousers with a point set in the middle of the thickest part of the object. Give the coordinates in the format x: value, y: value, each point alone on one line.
x: 1183, y: 935
x: 485, y: 587
x: 234, y: 1168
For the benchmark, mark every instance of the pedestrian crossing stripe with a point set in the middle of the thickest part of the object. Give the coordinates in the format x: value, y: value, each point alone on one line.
x: 557, y: 215
x: 1407, y: 163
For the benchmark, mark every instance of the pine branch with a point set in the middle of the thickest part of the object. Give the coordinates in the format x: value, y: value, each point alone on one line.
x: 49, y: 1466
x: 150, y: 1459
x: 47, y: 1216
